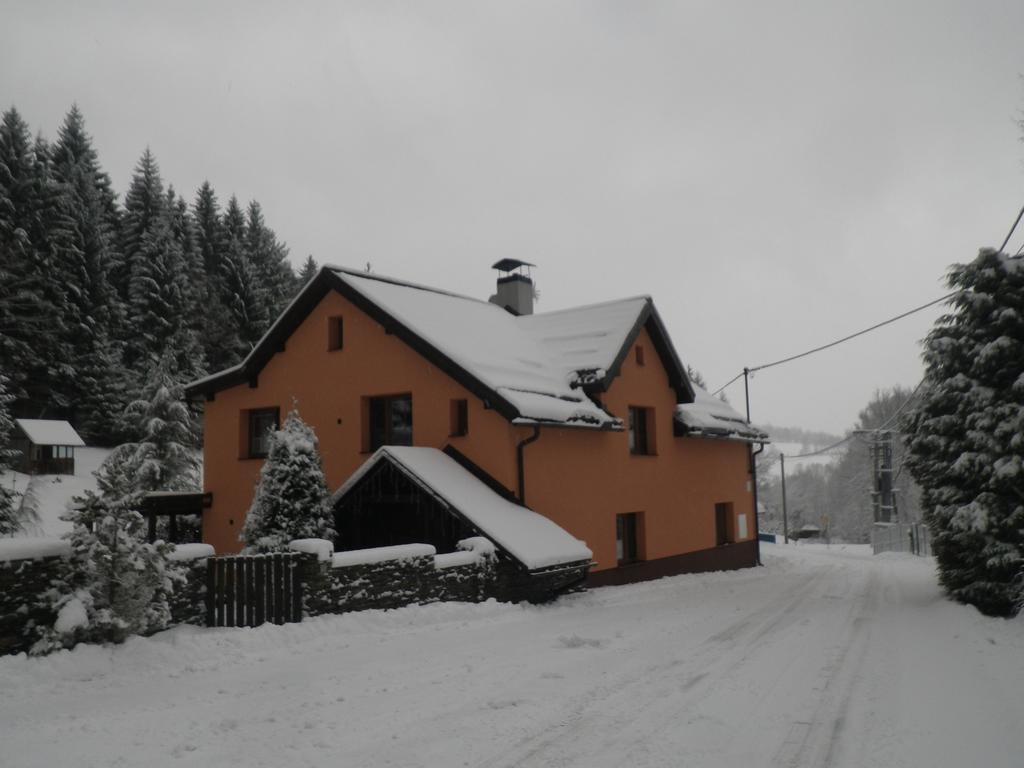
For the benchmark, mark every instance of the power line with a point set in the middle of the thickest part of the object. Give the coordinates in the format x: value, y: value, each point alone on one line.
x: 876, y: 326
x: 1012, y: 230
x: 852, y: 435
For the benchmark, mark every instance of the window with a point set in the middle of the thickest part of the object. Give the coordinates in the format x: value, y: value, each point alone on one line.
x: 639, y: 355
x: 459, y: 418
x: 335, y: 333
x: 625, y: 538
x: 262, y: 422
x: 723, y: 524
x: 641, y: 440
x: 390, y: 421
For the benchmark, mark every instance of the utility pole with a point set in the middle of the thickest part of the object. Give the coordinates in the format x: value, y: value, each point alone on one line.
x: 785, y: 520
x: 883, y: 496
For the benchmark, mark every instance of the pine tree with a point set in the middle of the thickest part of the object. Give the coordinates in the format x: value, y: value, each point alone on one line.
x: 245, y: 299
x: 219, y: 340
x: 10, y: 520
x: 291, y: 496
x: 269, y: 258
x: 144, y: 205
x: 98, y: 314
x: 309, y: 270
x: 966, y: 447
x: 163, y: 456
x: 161, y: 305
x: 36, y: 240
x: 116, y: 583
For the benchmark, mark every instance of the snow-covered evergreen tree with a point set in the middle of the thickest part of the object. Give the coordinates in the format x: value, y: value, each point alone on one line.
x: 308, y: 271
x: 163, y: 455
x: 10, y: 519
x: 291, y: 496
x: 116, y: 584
x: 96, y: 385
x: 269, y: 258
x: 37, y: 249
x: 219, y: 341
x: 966, y: 435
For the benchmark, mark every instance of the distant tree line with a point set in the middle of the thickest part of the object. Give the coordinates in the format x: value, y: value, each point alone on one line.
x: 96, y: 293
x: 837, y: 495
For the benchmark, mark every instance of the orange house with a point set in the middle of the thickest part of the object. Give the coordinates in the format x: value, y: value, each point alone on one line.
x: 585, y: 416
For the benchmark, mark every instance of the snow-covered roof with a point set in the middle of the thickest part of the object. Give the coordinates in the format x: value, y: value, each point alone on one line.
x: 707, y: 416
x: 508, y: 354
x: 531, y: 538
x: 49, y: 432
x: 533, y: 369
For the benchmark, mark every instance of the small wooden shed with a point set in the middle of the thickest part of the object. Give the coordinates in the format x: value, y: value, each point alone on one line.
x: 47, y: 446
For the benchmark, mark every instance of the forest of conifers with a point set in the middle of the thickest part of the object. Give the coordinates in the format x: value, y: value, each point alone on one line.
x: 96, y: 289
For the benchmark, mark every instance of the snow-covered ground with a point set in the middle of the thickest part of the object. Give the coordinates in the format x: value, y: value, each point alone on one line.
x: 56, y: 491
x: 823, y: 657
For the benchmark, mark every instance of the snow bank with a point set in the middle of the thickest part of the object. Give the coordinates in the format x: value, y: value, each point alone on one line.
x: 381, y: 554
x: 191, y: 552
x: 31, y: 548
x: 322, y: 548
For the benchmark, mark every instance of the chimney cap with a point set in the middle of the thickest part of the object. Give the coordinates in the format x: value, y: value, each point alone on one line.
x: 507, y: 265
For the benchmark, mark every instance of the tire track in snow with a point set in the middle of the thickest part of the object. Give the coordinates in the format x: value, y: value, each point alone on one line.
x: 646, y: 690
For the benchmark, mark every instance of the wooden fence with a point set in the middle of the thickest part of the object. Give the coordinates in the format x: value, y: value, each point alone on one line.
x: 249, y: 590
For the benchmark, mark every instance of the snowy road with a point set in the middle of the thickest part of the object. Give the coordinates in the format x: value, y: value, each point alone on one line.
x: 823, y: 657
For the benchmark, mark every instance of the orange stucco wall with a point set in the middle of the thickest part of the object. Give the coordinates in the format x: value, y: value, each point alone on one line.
x: 579, y: 478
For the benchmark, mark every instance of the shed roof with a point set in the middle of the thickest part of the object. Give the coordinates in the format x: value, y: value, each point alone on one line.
x: 531, y: 538
x: 49, y: 432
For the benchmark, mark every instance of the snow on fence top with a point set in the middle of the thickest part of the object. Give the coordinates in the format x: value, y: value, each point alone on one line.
x: 471, y: 551
x: 322, y: 548
x: 707, y: 416
x: 381, y: 554
x: 49, y: 432
x: 30, y: 548
x: 531, y: 538
x: 191, y: 551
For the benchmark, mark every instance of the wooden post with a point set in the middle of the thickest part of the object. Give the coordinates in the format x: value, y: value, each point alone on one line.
x: 259, y: 579
x: 279, y: 592
x: 296, y: 569
x: 211, y: 591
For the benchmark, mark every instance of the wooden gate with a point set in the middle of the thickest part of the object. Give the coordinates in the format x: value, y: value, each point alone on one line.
x: 248, y: 590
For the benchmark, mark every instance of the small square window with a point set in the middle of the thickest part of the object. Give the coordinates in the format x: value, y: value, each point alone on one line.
x: 459, y: 418
x: 626, y: 538
x: 335, y: 333
x: 262, y: 422
x: 639, y: 355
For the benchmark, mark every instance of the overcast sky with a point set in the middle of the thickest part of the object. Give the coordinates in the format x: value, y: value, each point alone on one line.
x: 775, y: 177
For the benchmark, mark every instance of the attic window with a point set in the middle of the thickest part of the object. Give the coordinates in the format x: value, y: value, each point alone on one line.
x: 459, y: 418
x: 335, y: 333
x: 639, y: 355
x: 389, y: 421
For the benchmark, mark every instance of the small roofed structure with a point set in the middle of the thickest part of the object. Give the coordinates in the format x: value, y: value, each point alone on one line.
x: 47, y: 446
x: 410, y: 495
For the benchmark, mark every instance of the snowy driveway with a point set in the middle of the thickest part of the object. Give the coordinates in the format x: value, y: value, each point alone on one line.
x: 824, y: 657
